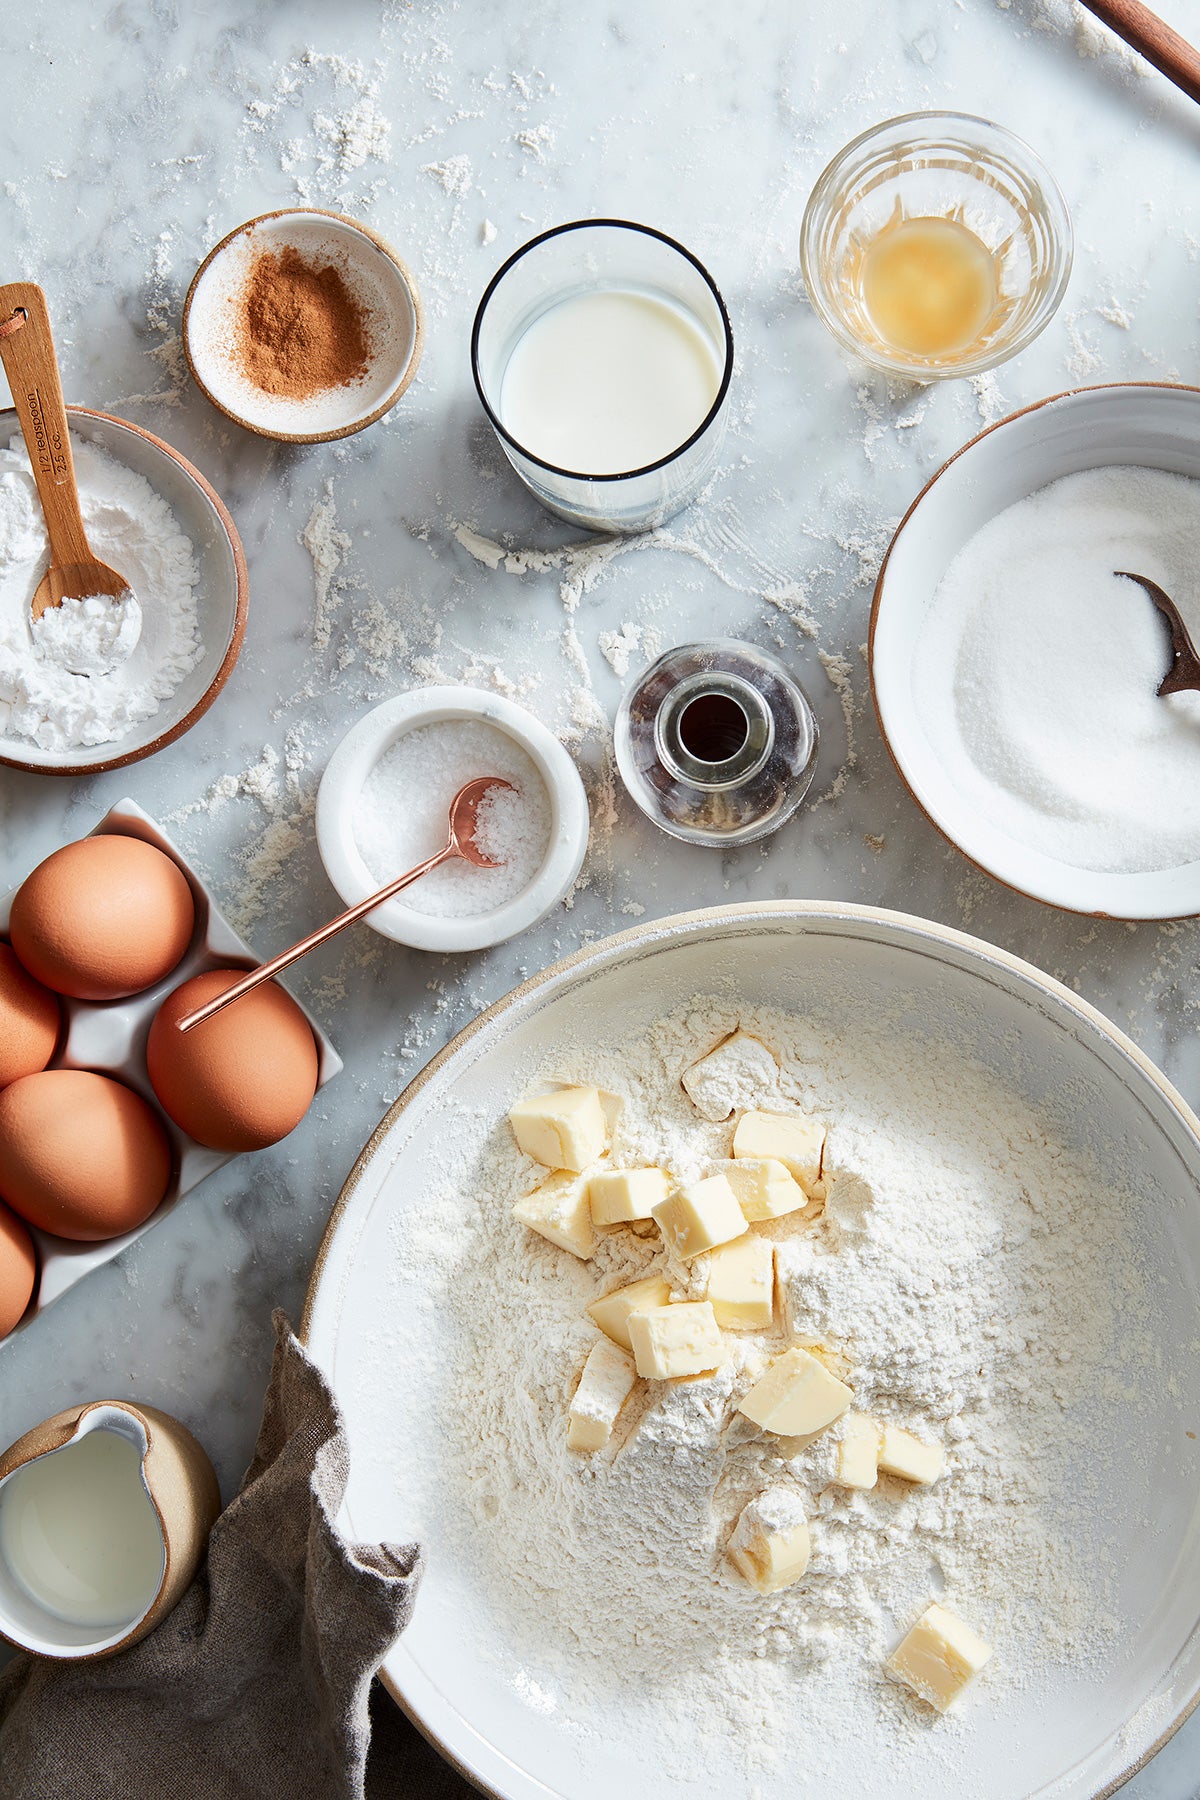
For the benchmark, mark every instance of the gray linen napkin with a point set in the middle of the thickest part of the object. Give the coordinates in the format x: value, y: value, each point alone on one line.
x: 257, y: 1685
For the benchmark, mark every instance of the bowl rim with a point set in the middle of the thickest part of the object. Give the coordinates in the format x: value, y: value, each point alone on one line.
x: 406, y: 277
x: 674, y: 925
x: 372, y: 736
x: 728, y: 349
x: 233, y: 649
x: 916, y: 370
x: 1005, y: 881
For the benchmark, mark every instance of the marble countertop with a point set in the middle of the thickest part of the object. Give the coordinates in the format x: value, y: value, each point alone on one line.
x: 135, y: 135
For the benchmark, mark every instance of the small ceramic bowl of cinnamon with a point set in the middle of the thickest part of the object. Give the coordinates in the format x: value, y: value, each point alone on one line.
x: 303, y: 326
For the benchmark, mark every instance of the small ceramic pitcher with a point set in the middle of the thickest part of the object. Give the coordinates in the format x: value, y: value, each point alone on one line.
x: 169, y: 1468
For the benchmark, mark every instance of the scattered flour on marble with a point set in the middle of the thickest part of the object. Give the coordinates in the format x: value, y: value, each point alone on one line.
x: 327, y: 545
x: 537, y: 141
x: 981, y: 1282
x: 454, y: 176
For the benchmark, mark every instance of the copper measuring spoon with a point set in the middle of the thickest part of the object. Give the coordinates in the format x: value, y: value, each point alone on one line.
x: 27, y: 351
x: 1184, y: 672
x: 460, y: 841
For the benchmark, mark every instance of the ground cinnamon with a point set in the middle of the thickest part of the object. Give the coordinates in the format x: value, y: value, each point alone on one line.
x: 298, y: 328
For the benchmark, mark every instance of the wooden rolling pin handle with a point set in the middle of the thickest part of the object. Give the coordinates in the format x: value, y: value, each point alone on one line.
x: 1154, y: 39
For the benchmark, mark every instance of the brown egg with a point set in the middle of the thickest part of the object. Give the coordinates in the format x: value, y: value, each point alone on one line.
x: 30, y: 1018
x: 18, y: 1270
x: 102, y: 918
x: 241, y: 1080
x: 81, y: 1155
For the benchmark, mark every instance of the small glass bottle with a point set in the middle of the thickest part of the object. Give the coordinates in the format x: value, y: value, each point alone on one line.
x: 716, y: 743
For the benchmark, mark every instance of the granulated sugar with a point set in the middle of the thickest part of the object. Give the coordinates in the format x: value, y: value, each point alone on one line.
x: 401, y: 816
x: 1037, y: 666
x: 981, y: 1281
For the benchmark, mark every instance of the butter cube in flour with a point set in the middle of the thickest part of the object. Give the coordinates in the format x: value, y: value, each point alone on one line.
x: 902, y: 1454
x: 619, y: 1196
x: 669, y: 1341
x: 858, y: 1452
x: 605, y: 1385
x: 789, y: 1138
x: 770, y: 1543
x: 764, y: 1188
x: 739, y: 1067
x: 796, y: 1397
x: 612, y: 1313
x: 559, y: 1210
x: 741, y: 1284
x: 939, y: 1657
x: 567, y: 1129
x: 700, y: 1216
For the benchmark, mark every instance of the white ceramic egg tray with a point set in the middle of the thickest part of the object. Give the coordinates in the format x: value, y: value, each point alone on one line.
x: 111, y: 1039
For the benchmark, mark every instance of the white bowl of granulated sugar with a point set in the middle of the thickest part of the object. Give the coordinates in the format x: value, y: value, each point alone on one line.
x: 384, y: 803
x: 1016, y: 668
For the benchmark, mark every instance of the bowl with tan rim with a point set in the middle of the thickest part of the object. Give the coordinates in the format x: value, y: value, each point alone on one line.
x: 303, y: 325
x: 221, y: 597
x: 388, y: 1318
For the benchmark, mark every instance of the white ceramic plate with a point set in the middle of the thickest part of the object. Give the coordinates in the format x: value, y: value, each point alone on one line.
x: 454, y: 1670
x: 1091, y: 428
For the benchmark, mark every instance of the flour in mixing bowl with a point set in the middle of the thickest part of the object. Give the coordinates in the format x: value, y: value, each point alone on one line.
x: 982, y: 1284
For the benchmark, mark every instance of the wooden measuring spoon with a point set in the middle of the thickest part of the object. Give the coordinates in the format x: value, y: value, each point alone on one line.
x: 460, y: 841
x: 27, y: 351
x: 1184, y: 672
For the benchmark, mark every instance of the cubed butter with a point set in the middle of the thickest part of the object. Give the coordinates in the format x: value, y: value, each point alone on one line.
x: 566, y: 1129
x: 764, y: 1188
x: 741, y: 1284
x: 669, y: 1341
x: 700, y: 1216
x: 900, y: 1453
x: 605, y: 1385
x: 735, y: 1071
x: 619, y: 1196
x: 796, y: 1397
x: 788, y: 1138
x: 939, y: 1657
x: 613, y: 1312
x: 559, y: 1210
x: 770, y: 1543
x: 858, y: 1451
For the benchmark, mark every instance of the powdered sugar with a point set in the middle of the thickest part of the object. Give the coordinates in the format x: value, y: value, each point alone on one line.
x: 130, y: 527
x: 90, y: 635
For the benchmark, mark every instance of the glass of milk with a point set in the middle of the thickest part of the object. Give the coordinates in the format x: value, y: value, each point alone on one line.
x: 602, y: 353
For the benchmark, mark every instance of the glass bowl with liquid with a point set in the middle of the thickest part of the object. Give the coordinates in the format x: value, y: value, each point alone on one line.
x: 936, y: 245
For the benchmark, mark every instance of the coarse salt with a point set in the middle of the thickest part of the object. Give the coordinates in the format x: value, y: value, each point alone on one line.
x: 402, y: 813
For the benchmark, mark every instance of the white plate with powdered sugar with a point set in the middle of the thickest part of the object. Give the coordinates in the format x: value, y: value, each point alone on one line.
x: 1023, y: 1276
